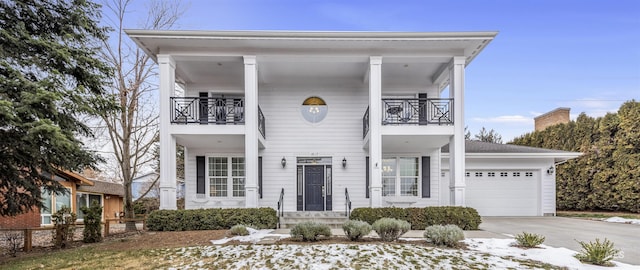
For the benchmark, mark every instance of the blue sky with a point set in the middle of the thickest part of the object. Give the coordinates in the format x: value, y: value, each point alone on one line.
x: 584, y: 54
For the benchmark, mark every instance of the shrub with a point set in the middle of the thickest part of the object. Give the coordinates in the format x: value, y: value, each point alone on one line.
x: 239, y: 230
x: 309, y: 231
x: 92, y: 228
x: 356, y: 229
x: 529, y: 240
x: 466, y: 218
x: 14, y: 241
x: 598, y: 253
x: 390, y: 229
x: 144, y: 206
x: 211, y: 219
x: 444, y: 235
x: 64, y: 223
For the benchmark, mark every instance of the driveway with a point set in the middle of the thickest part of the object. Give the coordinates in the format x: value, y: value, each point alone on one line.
x: 563, y: 232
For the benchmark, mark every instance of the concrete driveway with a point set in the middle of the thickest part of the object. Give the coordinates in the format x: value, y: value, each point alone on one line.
x: 563, y: 232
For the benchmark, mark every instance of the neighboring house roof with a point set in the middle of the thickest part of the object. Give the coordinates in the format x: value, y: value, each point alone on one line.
x: 104, y: 188
x: 497, y: 150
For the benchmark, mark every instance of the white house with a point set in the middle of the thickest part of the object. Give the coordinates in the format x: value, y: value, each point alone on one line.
x: 142, y: 183
x: 312, y: 120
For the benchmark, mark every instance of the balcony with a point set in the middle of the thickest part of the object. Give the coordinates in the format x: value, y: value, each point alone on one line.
x: 219, y: 110
x: 413, y: 111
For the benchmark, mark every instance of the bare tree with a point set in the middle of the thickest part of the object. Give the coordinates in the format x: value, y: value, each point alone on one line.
x: 133, y: 129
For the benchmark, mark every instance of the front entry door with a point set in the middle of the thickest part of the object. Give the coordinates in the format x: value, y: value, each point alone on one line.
x: 314, y: 183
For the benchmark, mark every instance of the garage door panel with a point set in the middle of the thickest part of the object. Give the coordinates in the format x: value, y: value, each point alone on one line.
x: 515, y: 194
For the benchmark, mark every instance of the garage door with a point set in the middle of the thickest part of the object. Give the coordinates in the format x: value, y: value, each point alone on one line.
x: 503, y: 193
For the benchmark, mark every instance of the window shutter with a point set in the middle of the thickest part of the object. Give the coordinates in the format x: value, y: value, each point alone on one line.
x: 260, y: 177
x: 422, y: 108
x: 426, y: 177
x: 202, y: 112
x: 366, y: 192
x: 200, y: 174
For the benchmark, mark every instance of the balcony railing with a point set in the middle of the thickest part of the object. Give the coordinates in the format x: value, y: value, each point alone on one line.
x: 207, y: 110
x: 413, y: 111
x: 365, y: 123
x: 261, y: 123
x: 417, y: 111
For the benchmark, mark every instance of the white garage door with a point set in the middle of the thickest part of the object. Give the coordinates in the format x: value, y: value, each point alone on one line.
x: 503, y: 193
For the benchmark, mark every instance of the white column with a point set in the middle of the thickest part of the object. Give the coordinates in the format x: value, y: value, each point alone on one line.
x: 375, y: 126
x: 251, y: 131
x: 456, y: 143
x: 167, y: 69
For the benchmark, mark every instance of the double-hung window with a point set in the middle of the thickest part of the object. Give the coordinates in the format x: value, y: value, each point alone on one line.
x: 226, y: 176
x: 400, y: 176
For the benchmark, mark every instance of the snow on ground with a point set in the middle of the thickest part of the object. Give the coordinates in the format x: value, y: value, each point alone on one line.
x: 555, y: 256
x: 253, y: 237
x: 483, y: 253
x: 623, y: 220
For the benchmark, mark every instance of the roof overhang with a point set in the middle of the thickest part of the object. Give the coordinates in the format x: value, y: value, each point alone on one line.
x: 204, y: 58
x: 557, y: 157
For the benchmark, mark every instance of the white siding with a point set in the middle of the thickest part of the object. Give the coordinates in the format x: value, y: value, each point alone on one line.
x: 339, y: 136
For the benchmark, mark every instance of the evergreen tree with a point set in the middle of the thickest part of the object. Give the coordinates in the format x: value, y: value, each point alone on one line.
x: 49, y: 78
x: 607, y: 175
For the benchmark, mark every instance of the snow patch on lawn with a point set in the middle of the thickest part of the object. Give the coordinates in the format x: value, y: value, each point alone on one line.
x: 623, y: 220
x: 253, y: 237
x: 555, y: 256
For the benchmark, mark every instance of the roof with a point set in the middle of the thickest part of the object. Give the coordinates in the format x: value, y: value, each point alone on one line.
x: 71, y: 176
x: 209, y: 59
x: 108, y: 188
x: 497, y: 150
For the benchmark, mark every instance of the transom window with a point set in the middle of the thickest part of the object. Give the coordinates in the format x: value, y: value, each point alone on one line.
x: 400, y: 176
x: 226, y: 173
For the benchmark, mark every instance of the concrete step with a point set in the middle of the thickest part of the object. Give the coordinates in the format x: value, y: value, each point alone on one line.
x: 333, y: 219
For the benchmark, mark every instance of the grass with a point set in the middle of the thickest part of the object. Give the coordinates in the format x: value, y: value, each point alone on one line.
x: 597, y: 214
x: 266, y: 256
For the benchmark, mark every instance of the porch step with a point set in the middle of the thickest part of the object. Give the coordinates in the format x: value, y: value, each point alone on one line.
x: 333, y: 219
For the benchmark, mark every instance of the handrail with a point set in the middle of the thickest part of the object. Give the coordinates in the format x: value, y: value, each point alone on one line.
x: 280, y: 207
x: 219, y: 110
x: 347, y: 203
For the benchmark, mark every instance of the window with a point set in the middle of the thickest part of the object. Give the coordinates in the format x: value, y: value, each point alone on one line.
x: 516, y: 174
x: 52, y: 203
x: 491, y: 174
x: 478, y: 174
x: 85, y: 200
x: 504, y: 174
x: 225, y: 172
x: 467, y: 174
x: 528, y: 174
x: 314, y: 109
x: 400, y: 176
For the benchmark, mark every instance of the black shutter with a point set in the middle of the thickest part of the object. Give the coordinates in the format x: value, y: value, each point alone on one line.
x: 260, y: 177
x: 203, y: 108
x: 422, y: 108
x: 366, y: 192
x: 426, y: 177
x: 200, y: 174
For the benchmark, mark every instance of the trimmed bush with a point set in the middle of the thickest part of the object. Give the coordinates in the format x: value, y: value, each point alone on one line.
x: 211, y: 219
x: 239, y: 230
x: 310, y: 231
x: 92, y: 218
x: 64, y: 221
x: 390, y: 229
x: 598, y: 253
x: 356, y: 229
x: 466, y: 218
x: 444, y: 235
x: 529, y: 240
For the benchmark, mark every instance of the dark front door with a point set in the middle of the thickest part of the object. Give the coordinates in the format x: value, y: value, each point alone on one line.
x: 313, y: 184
